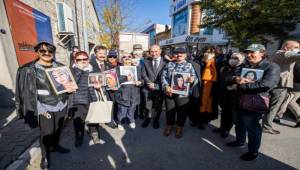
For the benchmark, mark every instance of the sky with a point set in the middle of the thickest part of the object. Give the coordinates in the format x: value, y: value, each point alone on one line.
x: 146, y: 12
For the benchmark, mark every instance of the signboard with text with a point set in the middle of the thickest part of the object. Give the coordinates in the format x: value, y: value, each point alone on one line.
x: 180, y: 23
x: 28, y: 26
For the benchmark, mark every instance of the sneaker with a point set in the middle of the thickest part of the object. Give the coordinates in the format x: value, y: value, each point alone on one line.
x: 271, y: 131
x: 235, y: 144
x: 297, y: 125
x: 249, y: 156
x: 132, y: 125
x: 121, y: 127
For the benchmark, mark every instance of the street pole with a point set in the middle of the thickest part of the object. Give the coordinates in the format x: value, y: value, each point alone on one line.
x: 85, y: 38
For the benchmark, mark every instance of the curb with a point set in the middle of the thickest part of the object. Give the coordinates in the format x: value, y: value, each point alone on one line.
x: 26, y: 158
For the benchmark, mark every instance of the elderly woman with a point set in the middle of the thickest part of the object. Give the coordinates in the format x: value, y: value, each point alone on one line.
x: 80, y: 100
x: 228, y: 97
x: 128, y: 95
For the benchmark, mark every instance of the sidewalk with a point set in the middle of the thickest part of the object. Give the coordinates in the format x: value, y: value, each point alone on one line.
x: 15, y: 138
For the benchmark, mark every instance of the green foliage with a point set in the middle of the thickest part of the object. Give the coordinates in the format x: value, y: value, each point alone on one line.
x: 113, y: 16
x: 248, y: 21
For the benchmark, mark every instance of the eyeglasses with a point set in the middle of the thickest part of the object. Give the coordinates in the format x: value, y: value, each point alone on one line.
x: 82, y: 59
x: 45, y: 51
x: 127, y: 57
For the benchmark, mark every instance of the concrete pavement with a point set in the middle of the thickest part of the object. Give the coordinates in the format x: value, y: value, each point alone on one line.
x: 149, y: 149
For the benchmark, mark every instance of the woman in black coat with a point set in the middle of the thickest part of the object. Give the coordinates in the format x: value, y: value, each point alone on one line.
x: 80, y: 100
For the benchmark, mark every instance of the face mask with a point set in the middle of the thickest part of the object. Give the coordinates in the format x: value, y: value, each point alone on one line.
x: 233, y: 62
x: 296, y: 50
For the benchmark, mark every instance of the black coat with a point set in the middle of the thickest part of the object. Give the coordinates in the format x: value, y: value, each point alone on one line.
x: 26, y: 93
x: 128, y: 94
x: 84, y: 94
x: 197, y: 88
x: 149, y: 75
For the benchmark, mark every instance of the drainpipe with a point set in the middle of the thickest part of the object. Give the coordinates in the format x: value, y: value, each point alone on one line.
x: 85, y: 39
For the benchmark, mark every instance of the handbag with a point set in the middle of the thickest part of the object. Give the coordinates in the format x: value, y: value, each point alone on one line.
x: 100, y: 111
x: 255, y: 102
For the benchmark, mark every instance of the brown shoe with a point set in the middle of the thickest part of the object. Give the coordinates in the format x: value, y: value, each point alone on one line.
x: 168, y: 130
x: 178, y: 133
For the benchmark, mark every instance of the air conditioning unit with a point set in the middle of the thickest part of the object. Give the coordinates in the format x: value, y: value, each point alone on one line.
x: 65, y: 18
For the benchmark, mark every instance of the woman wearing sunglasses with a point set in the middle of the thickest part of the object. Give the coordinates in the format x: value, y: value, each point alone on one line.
x: 79, y: 102
x: 128, y: 95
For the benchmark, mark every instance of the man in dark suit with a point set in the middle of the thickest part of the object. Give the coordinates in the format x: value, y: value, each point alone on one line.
x: 152, y: 69
x: 99, y: 62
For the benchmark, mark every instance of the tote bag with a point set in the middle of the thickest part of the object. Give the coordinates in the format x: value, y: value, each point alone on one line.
x: 100, y: 111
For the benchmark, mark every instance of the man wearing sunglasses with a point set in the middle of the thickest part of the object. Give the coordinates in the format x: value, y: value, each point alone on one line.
x: 37, y: 103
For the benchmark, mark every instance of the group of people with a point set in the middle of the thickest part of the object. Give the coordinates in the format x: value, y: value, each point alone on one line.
x: 214, y: 84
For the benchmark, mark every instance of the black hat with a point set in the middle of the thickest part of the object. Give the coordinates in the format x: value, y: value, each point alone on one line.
x: 49, y: 45
x: 179, y: 50
x: 112, y: 53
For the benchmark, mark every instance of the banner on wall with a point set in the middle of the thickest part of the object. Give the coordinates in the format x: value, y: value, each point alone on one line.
x: 28, y: 27
x: 180, y: 23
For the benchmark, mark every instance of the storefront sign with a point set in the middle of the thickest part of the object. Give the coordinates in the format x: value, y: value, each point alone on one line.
x: 184, y: 39
x: 179, y: 5
x: 180, y: 23
x: 28, y: 27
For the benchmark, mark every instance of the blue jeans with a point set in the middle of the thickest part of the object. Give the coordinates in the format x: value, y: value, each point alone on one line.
x: 126, y: 112
x: 254, y: 130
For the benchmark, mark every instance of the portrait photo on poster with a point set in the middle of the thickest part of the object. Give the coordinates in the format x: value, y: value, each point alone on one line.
x: 61, y: 78
x: 130, y: 72
x: 96, y: 79
x: 111, y: 79
x: 252, y: 74
x: 180, y: 84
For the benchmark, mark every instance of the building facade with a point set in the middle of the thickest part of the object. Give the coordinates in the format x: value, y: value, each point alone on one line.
x: 153, y: 30
x: 57, y: 21
x: 186, y: 32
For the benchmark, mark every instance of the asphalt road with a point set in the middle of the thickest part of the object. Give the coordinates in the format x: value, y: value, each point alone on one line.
x: 149, y: 149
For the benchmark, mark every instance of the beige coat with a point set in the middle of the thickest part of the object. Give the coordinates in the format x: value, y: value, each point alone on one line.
x: 286, y: 61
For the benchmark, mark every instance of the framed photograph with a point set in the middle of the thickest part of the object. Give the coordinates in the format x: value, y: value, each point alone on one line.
x: 130, y: 72
x: 252, y: 74
x: 111, y: 79
x: 96, y: 78
x: 136, y: 61
x: 180, y: 84
x: 61, y: 78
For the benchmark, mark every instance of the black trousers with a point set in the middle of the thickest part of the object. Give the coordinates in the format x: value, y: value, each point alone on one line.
x: 154, y: 104
x: 226, y: 114
x: 194, y: 112
x: 50, y: 130
x: 79, y: 113
x: 177, y: 106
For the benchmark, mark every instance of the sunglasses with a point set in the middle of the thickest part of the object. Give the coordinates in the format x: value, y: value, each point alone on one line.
x: 127, y: 57
x: 82, y: 59
x: 111, y: 56
x: 45, y: 51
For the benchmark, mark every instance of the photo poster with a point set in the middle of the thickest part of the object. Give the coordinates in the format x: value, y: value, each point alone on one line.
x: 61, y: 78
x: 96, y: 79
x: 136, y: 61
x: 252, y: 74
x: 111, y: 79
x: 28, y: 27
x: 180, y: 84
x: 130, y: 72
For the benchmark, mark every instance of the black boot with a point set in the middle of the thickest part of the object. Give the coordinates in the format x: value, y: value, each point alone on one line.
x: 78, y: 140
x: 146, y: 123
